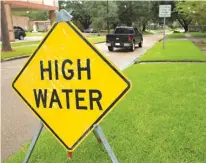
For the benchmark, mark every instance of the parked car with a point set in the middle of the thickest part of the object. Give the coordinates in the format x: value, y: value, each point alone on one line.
x: 124, y: 36
x: 19, y: 33
x: 89, y: 30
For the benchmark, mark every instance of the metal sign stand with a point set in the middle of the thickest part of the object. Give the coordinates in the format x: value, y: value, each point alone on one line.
x: 164, y: 11
x: 63, y: 15
x: 102, y: 139
x: 99, y: 134
x: 33, y: 143
x: 163, y: 42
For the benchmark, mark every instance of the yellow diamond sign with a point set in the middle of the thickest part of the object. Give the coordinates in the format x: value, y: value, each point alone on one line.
x: 69, y: 84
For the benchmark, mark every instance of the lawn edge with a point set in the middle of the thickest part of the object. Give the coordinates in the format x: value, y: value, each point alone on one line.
x: 15, y: 58
x: 172, y: 61
x: 27, y: 55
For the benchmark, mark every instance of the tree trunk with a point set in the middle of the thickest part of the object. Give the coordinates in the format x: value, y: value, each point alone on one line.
x: 143, y: 27
x: 184, y: 23
x: 6, y: 46
x: 98, y: 34
x: 85, y: 24
x: 185, y: 27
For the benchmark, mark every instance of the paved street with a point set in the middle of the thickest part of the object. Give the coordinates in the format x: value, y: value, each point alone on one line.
x: 33, y: 38
x: 18, y: 123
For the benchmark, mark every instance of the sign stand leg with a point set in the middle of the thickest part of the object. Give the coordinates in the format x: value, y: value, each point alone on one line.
x: 33, y: 143
x: 100, y: 135
x: 97, y: 136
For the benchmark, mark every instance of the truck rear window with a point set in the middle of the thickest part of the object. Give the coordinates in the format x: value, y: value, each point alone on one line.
x: 124, y: 31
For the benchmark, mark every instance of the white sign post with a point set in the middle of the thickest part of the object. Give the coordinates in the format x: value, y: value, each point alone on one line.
x: 164, y: 12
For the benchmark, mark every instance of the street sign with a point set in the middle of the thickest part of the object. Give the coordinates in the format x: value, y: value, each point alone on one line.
x: 164, y: 11
x: 69, y: 84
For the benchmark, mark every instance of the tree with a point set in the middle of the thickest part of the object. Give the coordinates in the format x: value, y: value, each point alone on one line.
x: 126, y: 12
x: 99, y: 14
x: 98, y: 24
x: 106, y: 12
x: 112, y: 16
x: 196, y: 11
x: 182, y: 15
x: 138, y: 13
x: 199, y: 14
x: 6, y: 46
x: 98, y: 10
x: 145, y: 12
x: 190, y: 13
x: 33, y: 15
x: 81, y: 14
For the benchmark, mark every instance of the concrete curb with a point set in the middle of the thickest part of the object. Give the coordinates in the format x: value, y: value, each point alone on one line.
x: 100, y: 42
x: 27, y: 55
x: 15, y: 58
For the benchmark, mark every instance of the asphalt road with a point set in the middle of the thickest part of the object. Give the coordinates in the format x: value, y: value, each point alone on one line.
x: 18, y: 123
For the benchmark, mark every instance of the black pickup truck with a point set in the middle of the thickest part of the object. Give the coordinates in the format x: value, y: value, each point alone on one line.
x: 124, y: 36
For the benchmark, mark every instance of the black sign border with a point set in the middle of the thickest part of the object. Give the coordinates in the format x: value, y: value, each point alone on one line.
x: 106, y: 110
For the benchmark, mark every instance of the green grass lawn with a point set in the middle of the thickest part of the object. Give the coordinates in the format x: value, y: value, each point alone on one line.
x: 162, y: 119
x: 175, y: 50
x: 31, y: 34
x: 158, y: 30
x: 30, y: 43
x: 18, y: 52
x: 182, y: 35
x: 26, y: 48
x: 198, y: 34
x: 176, y: 35
x: 18, y: 44
x: 97, y: 39
x: 147, y: 32
x: 20, y: 48
x: 95, y: 36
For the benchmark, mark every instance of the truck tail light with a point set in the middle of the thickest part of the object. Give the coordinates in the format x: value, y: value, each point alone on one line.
x: 129, y: 38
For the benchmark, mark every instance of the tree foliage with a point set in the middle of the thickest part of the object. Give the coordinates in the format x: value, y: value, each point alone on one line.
x: 106, y: 12
x: 88, y: 12
x: 138, y: 13
x: 33, y: 15
x: 182, y: 15
x: 81, y: 13
x: 190, y: 12
x: 195, y: 10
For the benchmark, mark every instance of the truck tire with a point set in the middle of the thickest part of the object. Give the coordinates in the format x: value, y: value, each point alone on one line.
x: 110, y: 48
x: 21, y: 37
x: 132, y: 48
x: 140, y: 44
